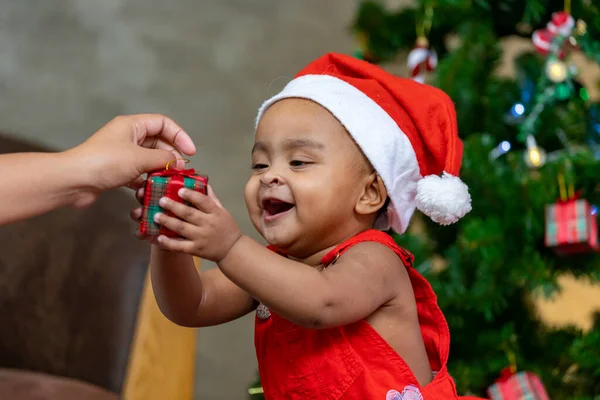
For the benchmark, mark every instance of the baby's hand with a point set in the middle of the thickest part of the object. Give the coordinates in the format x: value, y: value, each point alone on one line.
x: 208, y: 230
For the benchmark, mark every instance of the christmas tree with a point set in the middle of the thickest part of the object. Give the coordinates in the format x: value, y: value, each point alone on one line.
x: 532, y: 163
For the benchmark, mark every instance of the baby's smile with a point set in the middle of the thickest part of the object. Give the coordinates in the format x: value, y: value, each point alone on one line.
x: 275, y: 208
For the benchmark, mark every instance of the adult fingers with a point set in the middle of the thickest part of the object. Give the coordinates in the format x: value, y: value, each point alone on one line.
x: 137, y: 183
x: 164, y: 128
x: 148, y: 160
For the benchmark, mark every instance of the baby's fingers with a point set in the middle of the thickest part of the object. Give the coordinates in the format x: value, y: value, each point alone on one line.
x: 176, y: 245
x: 176, y: 225
x: 149, y: 239
x: 136, y: 214
x: 181, y: 211
x: 139, y: 194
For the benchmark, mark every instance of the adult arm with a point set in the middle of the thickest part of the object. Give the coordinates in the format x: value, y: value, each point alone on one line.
x: 117, y: 155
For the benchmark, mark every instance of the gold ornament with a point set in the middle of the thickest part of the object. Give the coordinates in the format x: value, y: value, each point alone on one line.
x: 422, y: 42
x: 581, y: 27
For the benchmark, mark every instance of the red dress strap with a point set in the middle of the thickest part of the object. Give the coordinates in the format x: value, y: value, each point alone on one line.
x: 370, y: 235
x: 421, y: 287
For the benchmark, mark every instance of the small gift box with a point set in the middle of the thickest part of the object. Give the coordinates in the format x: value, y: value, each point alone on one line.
x: 166, y: 183
x: 571, y: 227
x: 519, y: 386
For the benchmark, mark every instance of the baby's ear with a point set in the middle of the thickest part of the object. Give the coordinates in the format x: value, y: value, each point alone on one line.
x: 373, y: 196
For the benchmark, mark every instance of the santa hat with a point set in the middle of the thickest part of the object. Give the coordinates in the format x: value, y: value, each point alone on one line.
x: 406, y: 129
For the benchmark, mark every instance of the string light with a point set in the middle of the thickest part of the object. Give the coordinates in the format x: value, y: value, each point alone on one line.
x: 517, y: 110
x: 584, y: 94
x: 502, y: 148
x: 556, y: 71
x: 535, y: 156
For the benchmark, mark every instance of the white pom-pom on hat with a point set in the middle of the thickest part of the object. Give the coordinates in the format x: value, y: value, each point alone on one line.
x: 406, y: 129
x: 445, y: 199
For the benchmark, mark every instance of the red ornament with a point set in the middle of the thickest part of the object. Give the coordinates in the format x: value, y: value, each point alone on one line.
x: 571, y: 227
x: 421, y: 59
x: 166, y: 183
x: 517, y: 386
x: 562, y: 23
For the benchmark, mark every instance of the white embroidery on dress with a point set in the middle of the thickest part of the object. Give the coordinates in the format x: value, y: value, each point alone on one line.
x: 410, y: 392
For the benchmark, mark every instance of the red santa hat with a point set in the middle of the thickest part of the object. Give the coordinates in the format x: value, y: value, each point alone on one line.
x: 406, y: 129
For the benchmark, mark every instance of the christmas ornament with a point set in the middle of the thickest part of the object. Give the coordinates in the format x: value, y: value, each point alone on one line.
x: 363, y: 52
x: 166, y: 183
x: 571, y: 224
x: 571, y: 227
x: 517, y: 386
x: 421, y: 59
x: 560, y: 27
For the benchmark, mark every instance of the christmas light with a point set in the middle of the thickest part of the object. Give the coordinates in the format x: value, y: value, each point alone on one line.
x: 502, y: 148
x: 584, y: 94
x: 535, y: 156
x: 594, y: 210
x: 517, y: 110
x: 556, y: 71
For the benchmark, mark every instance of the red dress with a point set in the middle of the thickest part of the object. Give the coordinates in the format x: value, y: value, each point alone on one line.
x: 352, y: 362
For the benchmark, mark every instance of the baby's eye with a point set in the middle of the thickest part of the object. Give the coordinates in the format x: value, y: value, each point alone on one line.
x: 258, y: 166
x: 298, y: 163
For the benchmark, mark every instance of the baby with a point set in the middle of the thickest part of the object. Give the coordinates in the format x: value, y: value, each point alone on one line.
x: 344, y: 151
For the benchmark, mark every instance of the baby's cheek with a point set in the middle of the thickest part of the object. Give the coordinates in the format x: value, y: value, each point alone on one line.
x: 251, y: 195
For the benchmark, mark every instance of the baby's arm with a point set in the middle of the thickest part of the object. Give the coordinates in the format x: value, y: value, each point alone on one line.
x: 366, y: 277
x: 191, y: 298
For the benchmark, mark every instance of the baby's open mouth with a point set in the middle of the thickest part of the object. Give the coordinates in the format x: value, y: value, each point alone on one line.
x: 275, y: 206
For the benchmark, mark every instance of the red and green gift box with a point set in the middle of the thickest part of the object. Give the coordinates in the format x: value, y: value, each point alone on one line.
x: 571, y: 227
x: 518, y: 386
x: 167, y: 183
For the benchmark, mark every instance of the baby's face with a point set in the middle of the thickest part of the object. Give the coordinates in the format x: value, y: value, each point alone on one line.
x: 306, y: 178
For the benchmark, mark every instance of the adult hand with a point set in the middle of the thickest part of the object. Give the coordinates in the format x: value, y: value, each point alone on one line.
x: 129, y: 146
x: 116, y: 155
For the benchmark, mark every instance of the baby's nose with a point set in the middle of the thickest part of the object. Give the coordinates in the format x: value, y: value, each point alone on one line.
x: 271, y: 177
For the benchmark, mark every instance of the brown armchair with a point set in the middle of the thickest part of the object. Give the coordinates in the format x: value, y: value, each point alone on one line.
x: 78, y: 319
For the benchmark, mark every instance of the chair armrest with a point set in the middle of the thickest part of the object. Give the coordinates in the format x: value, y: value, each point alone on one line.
x: 162, y: 362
